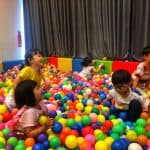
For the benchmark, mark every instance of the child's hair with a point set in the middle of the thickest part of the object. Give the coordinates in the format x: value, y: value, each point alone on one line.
x: 29, y: 55
x: 24, y: 93
x: 86, y: 61
x: 121, y: 76
x: 146, y: 51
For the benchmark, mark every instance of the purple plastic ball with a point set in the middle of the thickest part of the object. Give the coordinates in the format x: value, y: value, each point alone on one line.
x: 53, y: 113
x: 42, y: 137
x: 9, y: 147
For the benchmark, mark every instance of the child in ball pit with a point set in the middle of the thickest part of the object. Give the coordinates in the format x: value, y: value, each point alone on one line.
x: 125, y: 100
x: 88, y: 68
x: 31, y: 71
x: 28, y: 95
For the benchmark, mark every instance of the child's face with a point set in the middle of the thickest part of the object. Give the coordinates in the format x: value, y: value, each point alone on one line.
x: 38, y: 93
x: 37, y: 59
x: 147, y: 58
x: 122, y: 89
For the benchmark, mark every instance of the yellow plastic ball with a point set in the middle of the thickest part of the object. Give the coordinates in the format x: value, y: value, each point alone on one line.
x: 28, y: 148
x: 101, y: 118
x: 2, y: 139
x: 80, y: 140
x: 3, y: 109
x: 101, y: 145
x: 77, y: 118
x: 42, y: 119
x: 62, y: 121
x: 109, y: 140
x: 79, y: 106
x: 131, y: 135
x: 88, y: 109
x: 97, y: 131
x: 71, y: 141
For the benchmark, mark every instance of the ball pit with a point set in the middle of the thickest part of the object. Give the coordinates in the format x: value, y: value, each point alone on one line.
x: 81, y: 122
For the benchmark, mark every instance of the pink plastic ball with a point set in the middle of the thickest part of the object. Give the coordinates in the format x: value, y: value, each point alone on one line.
x: 2, y: 126
x: 90, y: 138
x: 93, y: 117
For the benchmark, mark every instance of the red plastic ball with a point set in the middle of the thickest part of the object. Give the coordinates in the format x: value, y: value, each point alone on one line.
x: 7, y: 116
x: 87, y: 130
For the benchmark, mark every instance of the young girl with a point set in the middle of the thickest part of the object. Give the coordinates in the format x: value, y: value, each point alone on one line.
x: 28, y: 95
x: 32, y: 71
x: 88, y: 68
x: 125, y: 100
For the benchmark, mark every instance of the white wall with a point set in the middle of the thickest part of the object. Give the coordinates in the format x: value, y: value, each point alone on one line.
x: 10, y: 23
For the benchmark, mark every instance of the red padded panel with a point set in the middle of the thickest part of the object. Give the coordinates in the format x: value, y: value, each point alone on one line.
x: 129, y: 66
x: 53, y: 60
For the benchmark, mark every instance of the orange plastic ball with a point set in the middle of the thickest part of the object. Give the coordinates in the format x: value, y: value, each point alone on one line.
x: 84, y: 145
x: 29, y: 142
x: 144, y: 115
x: 142, y: 139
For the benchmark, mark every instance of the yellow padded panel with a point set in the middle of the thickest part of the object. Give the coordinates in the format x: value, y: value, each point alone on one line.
x: 65, y: 64
x: 1, y: 66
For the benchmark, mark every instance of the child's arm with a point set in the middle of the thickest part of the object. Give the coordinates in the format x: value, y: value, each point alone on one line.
x: 96, y: 70
x: 17, y: 81
x: 33, y: 132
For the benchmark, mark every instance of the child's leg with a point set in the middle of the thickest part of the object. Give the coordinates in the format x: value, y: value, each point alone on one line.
x: 134, y: 111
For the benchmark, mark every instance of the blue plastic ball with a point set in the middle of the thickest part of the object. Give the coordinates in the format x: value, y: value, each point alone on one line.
x: 123, y: 115
x: 57, y: 127
x: 38, y: 146
x: 57, y: 96
x: 117, y: 145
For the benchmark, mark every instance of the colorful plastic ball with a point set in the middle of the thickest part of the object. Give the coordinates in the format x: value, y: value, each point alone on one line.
x: 29, y: 142
x: 101, y: 118
x: 42, y: 137
x: 3, y: 108
x: 100, y: 137
x: 20, y: 147
x: 84, y: 145
x: 5, y: 131
x: 10, y: 134
x: 2, y: 145
x: 109, y: 140
x: 101, y: 145
x: 118, y: 129
x: 93, y: 117
x: 54, y: 142
x: 57, y: 96
x: 144, y: 115
x: 42, y: 119
x: 140, y: 130
x: 7, y: 116
x: 46, y: 144
x: 141, y: 122
x: 85, y: 120
x: 108, y: 124
x: 2, y: 126
x: 38, y: 146
x: 134, y: 146
x: 131, y: 135
x: 57, y: 127
x: 123, y: 115
x: 3, y: 140
x: 9, y: 147
x: 142, y: 140
x: 70, y: 122
x: 117, y: 145
x: 90, y: 138
x: 71, y: 142
x: 61, y: 148
x: 112, y: 117
x: 87, y: 130
x: 52, y: 113
x: 12, y: 141
x: 79, y: 106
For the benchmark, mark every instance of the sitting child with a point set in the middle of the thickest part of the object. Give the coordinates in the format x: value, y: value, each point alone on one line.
x: 124, y: 98
x: 89, y: 69
x: 28, y: 95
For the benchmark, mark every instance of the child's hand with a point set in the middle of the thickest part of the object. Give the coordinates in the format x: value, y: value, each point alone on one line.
x: 49, y: 122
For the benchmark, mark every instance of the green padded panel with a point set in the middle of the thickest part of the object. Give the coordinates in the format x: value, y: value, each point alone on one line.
x: 108, y: 66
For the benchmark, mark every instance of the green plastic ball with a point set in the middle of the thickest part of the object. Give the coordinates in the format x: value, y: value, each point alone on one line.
x: 5, y: 131
x: 140, y: 130
x: 86, y: 120
x: 20, y: 147
x: 141, y: 122
x: 70, y: 122
x: 54, y: 142
x: 12, y: 141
